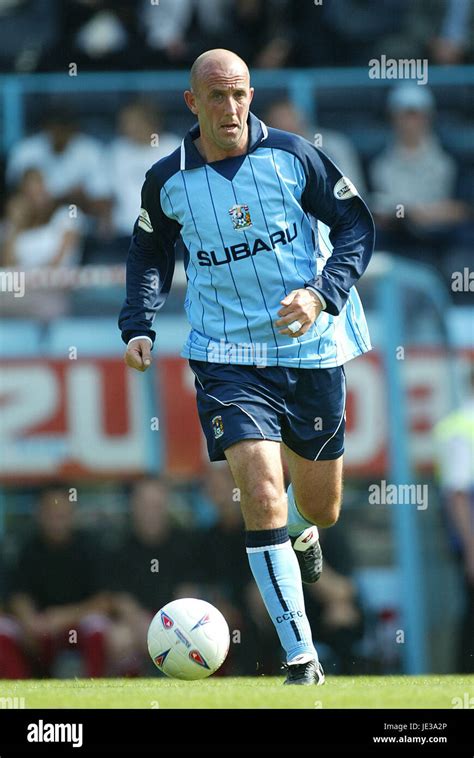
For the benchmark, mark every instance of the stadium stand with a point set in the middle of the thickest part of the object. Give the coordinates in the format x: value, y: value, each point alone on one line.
x: 311, y: 76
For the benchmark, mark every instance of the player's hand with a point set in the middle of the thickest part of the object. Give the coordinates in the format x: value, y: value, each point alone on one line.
x: 299, y: 305
x: 138, y: 354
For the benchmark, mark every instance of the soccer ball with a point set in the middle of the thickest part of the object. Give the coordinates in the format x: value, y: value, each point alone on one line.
x: 188, y: 639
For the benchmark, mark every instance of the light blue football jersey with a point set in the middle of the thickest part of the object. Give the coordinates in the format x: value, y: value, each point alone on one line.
x: 254, y: 228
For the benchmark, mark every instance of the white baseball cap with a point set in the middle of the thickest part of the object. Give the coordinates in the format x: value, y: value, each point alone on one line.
x: 411, y: 97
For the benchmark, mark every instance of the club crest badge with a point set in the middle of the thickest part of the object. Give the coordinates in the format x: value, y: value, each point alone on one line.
x: 217, y: 426
x: 240, y: 216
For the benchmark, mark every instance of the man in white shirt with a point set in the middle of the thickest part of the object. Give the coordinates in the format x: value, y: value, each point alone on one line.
x: 140, y: 143
x: 414, y: 178
x: 70, y: 162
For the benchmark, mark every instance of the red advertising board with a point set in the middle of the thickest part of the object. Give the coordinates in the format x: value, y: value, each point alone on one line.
x: 95, y: 418
x: 66, y: 418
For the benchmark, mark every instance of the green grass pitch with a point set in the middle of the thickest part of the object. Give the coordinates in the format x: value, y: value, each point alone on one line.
x: 258, y: 692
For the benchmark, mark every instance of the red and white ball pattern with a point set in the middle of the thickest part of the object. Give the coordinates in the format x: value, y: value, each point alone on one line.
x: 188, y: 639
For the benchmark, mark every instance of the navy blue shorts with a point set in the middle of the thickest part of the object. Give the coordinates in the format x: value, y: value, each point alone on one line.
x: 304, y: 408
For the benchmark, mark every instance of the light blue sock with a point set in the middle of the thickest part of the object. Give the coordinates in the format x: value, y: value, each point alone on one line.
x: 277, y: 574
x: 296, y: 522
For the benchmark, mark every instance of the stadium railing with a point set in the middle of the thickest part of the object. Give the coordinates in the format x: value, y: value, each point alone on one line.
x: 391, y: 278
x: 303, y: 86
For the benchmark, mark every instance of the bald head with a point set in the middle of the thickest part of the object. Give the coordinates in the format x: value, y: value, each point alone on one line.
x: 217, y: 63
x: 220, y: 97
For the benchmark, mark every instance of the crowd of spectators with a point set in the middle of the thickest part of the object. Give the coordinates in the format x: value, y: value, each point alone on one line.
x: 91, y: 594
x: 72, y: 194
x: 72, y: 198
x: 47, y: 35
x: 65, y: 187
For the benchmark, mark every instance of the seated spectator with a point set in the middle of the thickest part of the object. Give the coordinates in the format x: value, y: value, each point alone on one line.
x: 177, y: 31
x: 141, y: 142
x: 12, y: 663
x: 282, y: 114
x: 100, y: 35
x: 339, y: 33
x: 70, y: 162
x: 55, y: 598
x: 142, y: 573
x: 259, y: 31
x: 356, y: 41
x: 414, y: 181
x: 38, y: 232
x: 441, y: 30
x: 29, y: 31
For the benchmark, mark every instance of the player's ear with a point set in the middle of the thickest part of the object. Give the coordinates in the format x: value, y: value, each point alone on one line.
x: 251, y: 91
x: 190, y: 100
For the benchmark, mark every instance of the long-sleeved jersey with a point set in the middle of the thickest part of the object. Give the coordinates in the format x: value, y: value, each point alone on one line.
x: 254, y: 227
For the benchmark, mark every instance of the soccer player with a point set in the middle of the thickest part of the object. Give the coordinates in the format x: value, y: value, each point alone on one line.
x: 275, y: 238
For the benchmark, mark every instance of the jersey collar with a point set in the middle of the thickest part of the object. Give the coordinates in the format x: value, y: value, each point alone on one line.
x: 190, y: 157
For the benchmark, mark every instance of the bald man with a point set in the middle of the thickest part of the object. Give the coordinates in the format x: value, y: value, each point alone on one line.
x: 275, y: 238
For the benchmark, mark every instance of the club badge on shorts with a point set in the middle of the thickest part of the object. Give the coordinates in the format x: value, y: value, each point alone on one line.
x: 240, y: 216
x: 217, y: 426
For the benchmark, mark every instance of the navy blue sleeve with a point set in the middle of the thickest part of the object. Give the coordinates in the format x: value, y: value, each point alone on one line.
x: 150, y: 264
x: 330, y: 198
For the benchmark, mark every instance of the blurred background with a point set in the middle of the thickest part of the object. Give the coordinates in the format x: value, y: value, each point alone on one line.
x: 108, y: 506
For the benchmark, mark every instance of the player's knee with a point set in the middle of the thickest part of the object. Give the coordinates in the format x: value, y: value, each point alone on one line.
x: 329, y: 517
x: 264, y: 496
x: 324, y: 512
x: 332, y: 509
x: 264, y: 501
